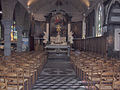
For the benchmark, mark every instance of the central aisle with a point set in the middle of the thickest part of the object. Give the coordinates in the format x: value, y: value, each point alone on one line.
x: 58, y: 75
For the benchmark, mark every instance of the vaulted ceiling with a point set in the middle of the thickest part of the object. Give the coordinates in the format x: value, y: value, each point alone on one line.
x: 76, y: 8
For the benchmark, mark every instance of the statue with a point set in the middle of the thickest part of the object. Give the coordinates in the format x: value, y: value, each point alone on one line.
x: 58, y: 28
x: 45, y: 37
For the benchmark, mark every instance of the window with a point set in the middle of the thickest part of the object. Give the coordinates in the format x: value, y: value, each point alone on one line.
x: 13, y: 32
x: 0, y: 32
x: 99, y: 19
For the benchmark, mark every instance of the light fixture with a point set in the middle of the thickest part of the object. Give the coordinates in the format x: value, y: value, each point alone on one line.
x: 31, y: 2
x: 86, y: 2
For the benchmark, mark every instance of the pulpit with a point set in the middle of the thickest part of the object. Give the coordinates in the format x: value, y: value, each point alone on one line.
x: 58, y: 36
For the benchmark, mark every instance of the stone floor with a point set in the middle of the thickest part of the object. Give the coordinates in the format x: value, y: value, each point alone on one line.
x: 58, y: 75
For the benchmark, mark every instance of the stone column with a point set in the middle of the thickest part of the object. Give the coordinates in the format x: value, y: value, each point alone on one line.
x: 19, y: 35
x: 7, y: 36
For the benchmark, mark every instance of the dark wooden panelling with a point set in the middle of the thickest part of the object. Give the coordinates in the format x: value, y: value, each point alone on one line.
x: 96, y: 45
x: 90, y: 20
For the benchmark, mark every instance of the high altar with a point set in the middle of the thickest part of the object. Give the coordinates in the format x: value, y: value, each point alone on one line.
x: 58, y: 36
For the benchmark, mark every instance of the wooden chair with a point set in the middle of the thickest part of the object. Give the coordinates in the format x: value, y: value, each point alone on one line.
x: 28, y: 74
x: 33, y: 69
x: 3, y: 70
x: 3, y: 85
x: 15, y: 76
x: 116, y: 83
x: 22, y: 80
x: 13, y: 81
x: 94, y: 77
x: 106, y: 80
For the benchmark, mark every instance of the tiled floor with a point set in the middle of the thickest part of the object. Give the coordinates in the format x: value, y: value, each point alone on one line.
x: 58, y: 75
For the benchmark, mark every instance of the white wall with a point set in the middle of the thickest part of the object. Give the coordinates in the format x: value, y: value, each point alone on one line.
x: 117, y: 39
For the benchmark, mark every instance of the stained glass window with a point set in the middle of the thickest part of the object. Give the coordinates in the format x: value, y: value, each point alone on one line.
x: 13, y: 32
x: 99, y: 21
x: 0, y: 32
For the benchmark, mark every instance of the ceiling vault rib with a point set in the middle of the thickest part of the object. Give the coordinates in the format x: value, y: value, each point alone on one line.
x: 75, y: 7
x: 43, y: 5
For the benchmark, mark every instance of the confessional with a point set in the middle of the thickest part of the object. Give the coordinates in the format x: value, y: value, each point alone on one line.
x: 58, y: 36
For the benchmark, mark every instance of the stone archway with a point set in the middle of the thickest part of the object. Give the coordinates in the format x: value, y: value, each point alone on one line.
x: 19, y: 12
x: 114, y: 30
x: 109, y: 8
x: 26, y: 30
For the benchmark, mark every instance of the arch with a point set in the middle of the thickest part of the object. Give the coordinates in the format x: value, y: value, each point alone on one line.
x: 110, y: 11
x: 109, y: 8
x: 18, y: 19
x: 27, y: 21
x: 8, y: 9
x: 19, y: 13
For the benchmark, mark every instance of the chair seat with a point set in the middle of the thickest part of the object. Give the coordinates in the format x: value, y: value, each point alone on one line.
x: 27, y: 75
x: 117, y: 85
x: 103, y: 87
x: 94, y: 78
x: 15, y: 88
x: 2, y: 80
x: 117, y: 82
x: 20, y: 81
x: 2, y: 86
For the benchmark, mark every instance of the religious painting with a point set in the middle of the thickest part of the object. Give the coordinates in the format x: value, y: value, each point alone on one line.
x: 39, y: 29
x: 58, y: 26
x: 77, y: 29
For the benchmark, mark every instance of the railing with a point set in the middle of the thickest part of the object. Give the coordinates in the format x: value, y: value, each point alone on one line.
x: 95, y: 44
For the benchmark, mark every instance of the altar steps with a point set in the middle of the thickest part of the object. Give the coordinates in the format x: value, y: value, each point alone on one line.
x: 58, y: 57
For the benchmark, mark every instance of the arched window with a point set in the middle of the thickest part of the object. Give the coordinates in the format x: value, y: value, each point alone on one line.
x: 99, y: 21
x: 13, y: 32
x: 0, y: 32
